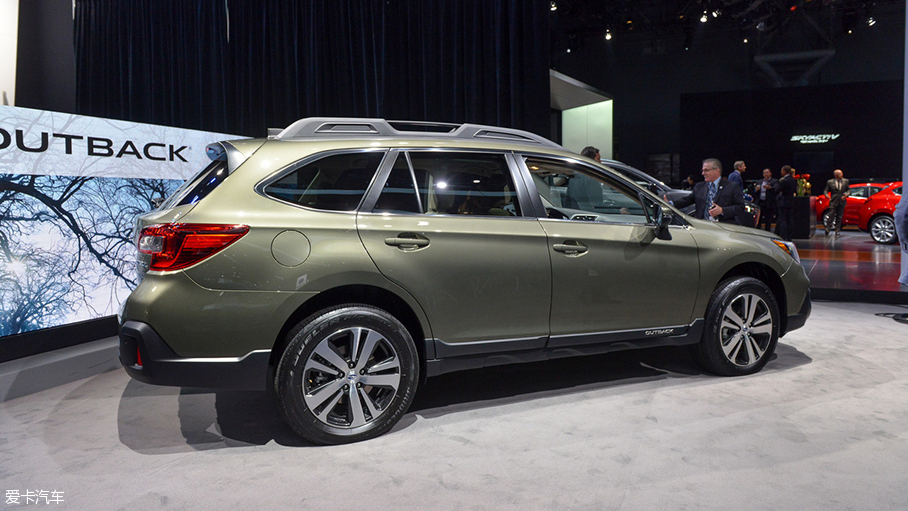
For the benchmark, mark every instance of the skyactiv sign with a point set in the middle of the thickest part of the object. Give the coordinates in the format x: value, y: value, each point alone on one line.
x: 53, y: 143
x: 814, y: 139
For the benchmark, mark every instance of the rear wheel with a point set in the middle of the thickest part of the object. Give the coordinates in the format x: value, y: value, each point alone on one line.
x: 348, y: 374
x: 742, y: 328
x: 882, y: 230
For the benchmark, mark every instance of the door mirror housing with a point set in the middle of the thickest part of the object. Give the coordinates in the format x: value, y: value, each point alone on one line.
x: 657, y: 216
x: 663, y: 218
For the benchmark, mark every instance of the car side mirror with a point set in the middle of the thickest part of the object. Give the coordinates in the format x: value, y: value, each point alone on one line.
x: 662, y: 218
x: 658, y: 216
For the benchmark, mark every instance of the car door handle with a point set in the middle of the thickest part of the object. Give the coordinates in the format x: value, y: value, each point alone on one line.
x: 408, y: 241
x: 570, y: 248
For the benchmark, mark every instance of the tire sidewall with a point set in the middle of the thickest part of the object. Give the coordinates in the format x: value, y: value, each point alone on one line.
x: 316, y: 329
x: 710, y: 347
x: 881, y: 219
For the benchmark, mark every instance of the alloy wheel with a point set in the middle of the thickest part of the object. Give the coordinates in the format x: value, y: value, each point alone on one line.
x: 351, y: 377
x: 882, y: 230
x: 746, y: 329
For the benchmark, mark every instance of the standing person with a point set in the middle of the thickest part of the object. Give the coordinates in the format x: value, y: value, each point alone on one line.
x: 735, y: 175
x: 688, y: 183
x: 788, y: 187
x: 836, y: 191
x: 766, y: 192
x: 716, y: 198
x: 591, y: 152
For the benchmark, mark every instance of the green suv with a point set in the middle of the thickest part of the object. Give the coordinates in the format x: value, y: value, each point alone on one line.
x: 339, y: 262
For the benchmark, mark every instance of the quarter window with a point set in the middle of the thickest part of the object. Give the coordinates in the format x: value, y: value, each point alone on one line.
x: 333, y: 183
x: 449, y: 183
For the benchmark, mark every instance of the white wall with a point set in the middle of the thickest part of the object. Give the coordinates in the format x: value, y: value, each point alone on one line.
x: 588, y: 125
x: 9, y: 33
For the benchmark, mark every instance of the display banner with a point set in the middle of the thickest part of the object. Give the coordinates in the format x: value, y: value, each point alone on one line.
x: 56, y: 144
x: 70, y: 189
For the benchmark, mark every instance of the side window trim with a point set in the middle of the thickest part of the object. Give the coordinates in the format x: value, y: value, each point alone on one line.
x: 298, y: 164
x: 422, y: 209
x: 381, y: 177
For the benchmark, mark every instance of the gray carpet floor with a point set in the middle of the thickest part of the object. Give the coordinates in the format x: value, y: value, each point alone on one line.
x: 823, y: 427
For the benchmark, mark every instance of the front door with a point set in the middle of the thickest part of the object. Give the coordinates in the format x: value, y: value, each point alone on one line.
x: 610, y: 274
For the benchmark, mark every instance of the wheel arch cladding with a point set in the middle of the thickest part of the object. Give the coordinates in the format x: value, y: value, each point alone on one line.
x: 369, y: 295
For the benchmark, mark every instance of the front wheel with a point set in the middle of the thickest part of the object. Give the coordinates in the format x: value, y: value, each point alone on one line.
x: 349, y: 373
x: 882, y: 230
x: 742, y: 328
x: 828, y: 220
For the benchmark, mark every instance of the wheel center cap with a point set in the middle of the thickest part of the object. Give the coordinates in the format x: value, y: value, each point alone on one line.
x: 352, y: 377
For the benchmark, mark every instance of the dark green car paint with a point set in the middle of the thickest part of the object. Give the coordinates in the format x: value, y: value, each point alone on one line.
x: 484, y: 283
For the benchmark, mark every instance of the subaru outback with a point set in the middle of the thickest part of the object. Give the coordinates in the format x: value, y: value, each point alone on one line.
x: 340, y: 262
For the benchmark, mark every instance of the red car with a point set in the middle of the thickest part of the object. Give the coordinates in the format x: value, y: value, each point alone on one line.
x: 876, y: 215
x: 870, y: 207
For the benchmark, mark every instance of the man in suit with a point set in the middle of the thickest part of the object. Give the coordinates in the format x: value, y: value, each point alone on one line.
x: 836, y: 191
x: 735, y: 175
x: 788, y: 187
x: 717, y: 199
x: 765, y: 192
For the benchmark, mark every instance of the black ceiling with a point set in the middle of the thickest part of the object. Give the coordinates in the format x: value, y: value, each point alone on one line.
x: 575, y: 19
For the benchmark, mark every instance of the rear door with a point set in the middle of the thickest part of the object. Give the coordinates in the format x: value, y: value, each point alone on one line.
x: 449, y: 227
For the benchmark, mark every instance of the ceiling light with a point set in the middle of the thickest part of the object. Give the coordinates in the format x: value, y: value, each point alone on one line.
x: 608, y: 35
x: 717, y: 13
x: 553, y: 6
x: 745, y: 40
x: 870, y: 21
x: 703, y: 18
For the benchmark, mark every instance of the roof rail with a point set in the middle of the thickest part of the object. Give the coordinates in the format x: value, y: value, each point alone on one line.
x: 312, y: 127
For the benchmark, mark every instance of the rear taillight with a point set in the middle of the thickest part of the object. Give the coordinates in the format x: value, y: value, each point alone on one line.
x: 178, y: 246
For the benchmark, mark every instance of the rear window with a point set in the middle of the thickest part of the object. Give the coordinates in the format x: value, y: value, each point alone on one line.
x: 332, y: 183
x: 195, y: 189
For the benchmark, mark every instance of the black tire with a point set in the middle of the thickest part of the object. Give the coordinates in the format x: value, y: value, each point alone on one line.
x: 882, y: 230
x: 742, y: 328
x: 827, y: 220
x: 348, y: 374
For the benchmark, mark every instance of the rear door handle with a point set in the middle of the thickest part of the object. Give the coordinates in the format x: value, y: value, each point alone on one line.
x: 408, y: 241
x: 570, y: 247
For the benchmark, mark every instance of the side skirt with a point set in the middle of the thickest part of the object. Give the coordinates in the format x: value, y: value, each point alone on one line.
x: 461, y: 357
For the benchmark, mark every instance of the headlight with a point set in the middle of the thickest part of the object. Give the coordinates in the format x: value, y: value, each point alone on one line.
x: 789, y: 247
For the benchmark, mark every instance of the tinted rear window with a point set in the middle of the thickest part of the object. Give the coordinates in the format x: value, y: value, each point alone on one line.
x: 199, y: 186
x: 333, y: 183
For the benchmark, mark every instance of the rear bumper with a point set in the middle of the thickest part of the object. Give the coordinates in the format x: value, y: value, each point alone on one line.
x: 796, y: 321
x: 147, y: 358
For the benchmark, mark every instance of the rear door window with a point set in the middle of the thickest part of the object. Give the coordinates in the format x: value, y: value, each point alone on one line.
x: 332, y: 183
x: 449, y: 183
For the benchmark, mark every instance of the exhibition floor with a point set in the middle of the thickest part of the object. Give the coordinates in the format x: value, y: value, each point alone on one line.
x: 823, y: 427
x: 852, y: 267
